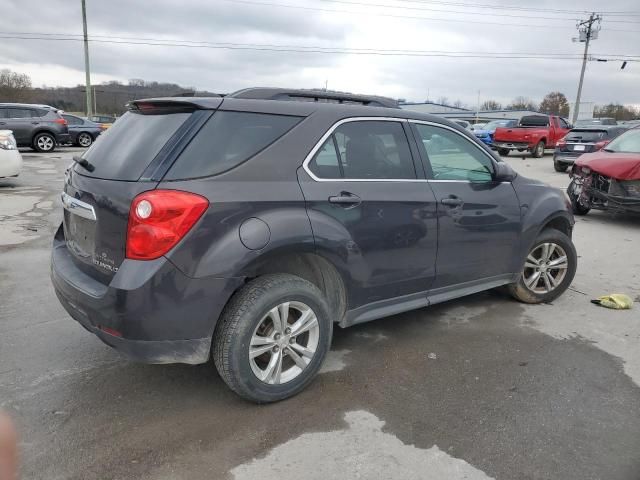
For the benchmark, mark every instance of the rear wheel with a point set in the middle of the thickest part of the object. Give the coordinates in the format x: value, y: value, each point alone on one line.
x: 538, y: 150
x: 503, y: 152
x: 548, y: 269
x: 44, y: 143
x: 84, y: 140
x: 559, y: 167
x: 272, y: 338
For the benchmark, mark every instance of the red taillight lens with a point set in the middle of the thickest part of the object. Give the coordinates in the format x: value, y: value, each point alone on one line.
x: 159, y: 219
x: 562, y: 142
x: 61, y: 121
x: 601, y: 144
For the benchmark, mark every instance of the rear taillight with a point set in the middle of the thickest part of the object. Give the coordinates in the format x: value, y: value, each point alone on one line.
x: 159, y: 219
x: 61, y: 121
x: 601, y: 144
x: 562, y: 142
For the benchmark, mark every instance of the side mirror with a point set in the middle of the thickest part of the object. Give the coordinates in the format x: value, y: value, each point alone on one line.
x: 504, y: 172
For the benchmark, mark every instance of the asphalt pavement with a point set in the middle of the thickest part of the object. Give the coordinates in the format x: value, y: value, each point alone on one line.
x: 481, y: 387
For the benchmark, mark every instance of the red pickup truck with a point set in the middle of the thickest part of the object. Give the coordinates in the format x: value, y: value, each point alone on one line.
x: 533, y: 133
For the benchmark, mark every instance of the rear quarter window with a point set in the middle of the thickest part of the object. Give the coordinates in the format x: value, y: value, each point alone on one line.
x: 227, y: 140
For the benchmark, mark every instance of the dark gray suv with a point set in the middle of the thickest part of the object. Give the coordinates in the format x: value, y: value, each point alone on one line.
x: 37, y: 126
x: 243, y: 228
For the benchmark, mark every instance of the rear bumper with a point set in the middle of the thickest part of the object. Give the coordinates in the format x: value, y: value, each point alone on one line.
x: 10, y: 163
x: 512, y: 145
x: 149, y: 311
x: 564, y: 158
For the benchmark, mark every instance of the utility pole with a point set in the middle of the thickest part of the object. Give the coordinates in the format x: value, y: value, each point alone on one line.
x: 587, y: 31
x: 86, y: 60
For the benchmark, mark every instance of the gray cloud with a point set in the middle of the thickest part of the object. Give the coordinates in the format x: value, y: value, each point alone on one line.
x: 408, y: 77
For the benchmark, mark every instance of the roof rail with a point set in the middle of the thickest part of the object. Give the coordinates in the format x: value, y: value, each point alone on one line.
x: 326, y: 96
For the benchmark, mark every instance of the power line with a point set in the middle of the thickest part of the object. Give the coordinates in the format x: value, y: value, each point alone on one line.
x: 518, y: 8
x: 391, y: 15
x: 427, y: 9
x: 301, y: 49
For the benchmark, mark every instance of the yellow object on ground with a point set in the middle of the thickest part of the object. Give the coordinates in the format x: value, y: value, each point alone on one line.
x: 617, y: 301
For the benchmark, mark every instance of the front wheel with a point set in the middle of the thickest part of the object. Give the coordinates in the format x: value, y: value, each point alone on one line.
x: 548, y: 269
x: 573, y: 191
x: 503, y: 152
x: 272, y: 338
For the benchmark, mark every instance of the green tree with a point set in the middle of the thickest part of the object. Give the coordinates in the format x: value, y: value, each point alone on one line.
x: 555, y: 103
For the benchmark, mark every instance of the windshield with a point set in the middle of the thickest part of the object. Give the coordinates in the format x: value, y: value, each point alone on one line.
x: 628, y: 142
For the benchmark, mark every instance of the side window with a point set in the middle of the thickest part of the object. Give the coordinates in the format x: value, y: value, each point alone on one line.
x: 227, y: 140
x: 18, y: 113
x: 71, y: 120
x: 325, y: 163
x: 365, y: 150
x: 452, y: 156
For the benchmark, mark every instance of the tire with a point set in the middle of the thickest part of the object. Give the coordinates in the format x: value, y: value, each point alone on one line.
x: 44, y: 143
x: 503, y: 152
x: 84, y: 140
x: 538, y: 150
x: 559, y: 167
x: 576, y: 206
x: 532, y: 289
x: 248, y: 315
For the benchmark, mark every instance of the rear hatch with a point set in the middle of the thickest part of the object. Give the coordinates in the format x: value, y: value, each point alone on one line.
x: 123, y: 163
x: 580, y: 141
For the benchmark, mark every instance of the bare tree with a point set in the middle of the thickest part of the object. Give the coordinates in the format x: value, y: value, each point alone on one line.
x: 491, y: 105
x: 522, y: 103
x: 443, y: 101
x: 14, y: 87
x: 555, y: 103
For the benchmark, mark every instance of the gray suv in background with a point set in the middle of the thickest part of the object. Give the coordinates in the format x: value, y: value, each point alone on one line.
x: 244, y: 228
x: 37, y: 126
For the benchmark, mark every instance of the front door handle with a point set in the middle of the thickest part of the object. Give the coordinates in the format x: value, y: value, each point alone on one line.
x: 452, y: 201
x: 35, y: 123
x: 346, y: 199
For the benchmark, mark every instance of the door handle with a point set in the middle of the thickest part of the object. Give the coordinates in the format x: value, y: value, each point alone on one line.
x: 452, y: 201
x: 346, y: 199
x: 35, y: 123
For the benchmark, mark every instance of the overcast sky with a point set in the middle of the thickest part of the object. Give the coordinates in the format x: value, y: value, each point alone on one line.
x: 344, y: 24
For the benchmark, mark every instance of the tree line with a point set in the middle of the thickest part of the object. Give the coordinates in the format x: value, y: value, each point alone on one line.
x: 554, y: 103
x: 111, y: 97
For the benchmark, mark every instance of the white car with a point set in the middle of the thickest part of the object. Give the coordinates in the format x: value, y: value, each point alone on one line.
x: 10, y: 158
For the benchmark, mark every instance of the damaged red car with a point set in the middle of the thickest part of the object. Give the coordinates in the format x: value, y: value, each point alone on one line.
x: 608, y: 179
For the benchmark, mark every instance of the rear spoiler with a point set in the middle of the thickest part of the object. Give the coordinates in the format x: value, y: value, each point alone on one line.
x: 159, y: 106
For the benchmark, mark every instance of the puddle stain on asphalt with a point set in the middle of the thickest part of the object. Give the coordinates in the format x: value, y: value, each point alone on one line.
x: 362, y: 450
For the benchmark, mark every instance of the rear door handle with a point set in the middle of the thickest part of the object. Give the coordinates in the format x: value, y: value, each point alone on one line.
x: 452, y: 201
x: 346, y: 199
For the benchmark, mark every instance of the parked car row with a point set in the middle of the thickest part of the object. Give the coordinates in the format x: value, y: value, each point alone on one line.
x: 43, y: 127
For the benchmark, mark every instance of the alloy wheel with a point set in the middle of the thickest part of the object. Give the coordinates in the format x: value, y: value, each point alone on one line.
x: 84, y: 139
x: 545, y: 268
x: 45, y: 143
x: 284, y: 343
